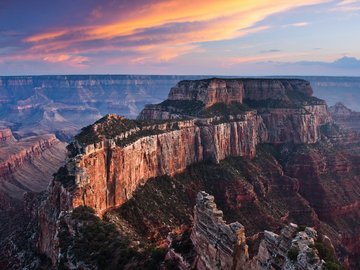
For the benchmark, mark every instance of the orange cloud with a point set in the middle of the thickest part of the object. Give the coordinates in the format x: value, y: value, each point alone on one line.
x: 45, y: 36
x: 66, y: 58
x: 203, y: 21
x: 234, y: 14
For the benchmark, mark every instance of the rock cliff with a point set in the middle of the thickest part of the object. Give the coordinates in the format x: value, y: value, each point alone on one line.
x: 209, y: 92
x: 6, y: 136
x: 345, y: 117
x: 223, y: 246
x: 287, y: 107
x: 64, y: 104
x: 28, y: 164
x: 216, y: 242
x: 107, y: 171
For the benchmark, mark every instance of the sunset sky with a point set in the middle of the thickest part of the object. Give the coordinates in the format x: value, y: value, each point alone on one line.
x: 257, y: 37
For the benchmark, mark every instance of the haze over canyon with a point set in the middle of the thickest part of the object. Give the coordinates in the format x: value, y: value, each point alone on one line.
x: 124, y: 196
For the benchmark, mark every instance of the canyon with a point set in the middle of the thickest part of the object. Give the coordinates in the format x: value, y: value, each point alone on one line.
x: 262, y: 147
x: 63, y: 104
x: 28, y: 164
x: 345, y: 117
x: 104, y: 154
x: 223, y: 246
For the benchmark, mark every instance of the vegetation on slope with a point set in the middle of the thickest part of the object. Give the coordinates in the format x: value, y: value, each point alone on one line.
x: 86, y: 240
x: 62, y: 175
x: 242, y: 188
x: 111, y: 126
x: 327, y: 254
x: 195, y: 108
x: 292, y: 99
x: 185, y: 107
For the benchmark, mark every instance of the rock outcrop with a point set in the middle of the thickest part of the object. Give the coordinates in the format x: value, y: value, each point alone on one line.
x: 209, y: 91
x: 345, y: 117
x: 223, y: 246
x: 106, y: 173
x: 218, y: 245
x: 6, y: 136
x: 289, y: 111
x: 300, y: 125
x: 275, y: 89
x: 28, y: 164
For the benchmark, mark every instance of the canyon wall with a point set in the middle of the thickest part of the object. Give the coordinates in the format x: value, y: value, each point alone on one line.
x: 106, y: 175
x: 274, y: 88
x: 64, y: 104
x: 208, y: 91
x: 345, y: 117
x: 217, y: 90
x: 300, y: 125
x: 6, y: 136
x: 28, y: 164
x: 287, y: 107
x: 38, y: 105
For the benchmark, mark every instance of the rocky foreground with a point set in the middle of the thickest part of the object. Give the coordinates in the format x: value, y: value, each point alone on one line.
x: 266, y: 149
x: 223, y: 246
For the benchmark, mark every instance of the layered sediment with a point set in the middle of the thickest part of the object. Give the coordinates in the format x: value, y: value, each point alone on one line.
x: 28, y: 164
x: 109, y: 160
x: 345, y: 117
x: 106, y: 173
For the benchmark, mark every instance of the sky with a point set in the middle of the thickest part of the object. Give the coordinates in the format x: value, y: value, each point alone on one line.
x: 199, y: 37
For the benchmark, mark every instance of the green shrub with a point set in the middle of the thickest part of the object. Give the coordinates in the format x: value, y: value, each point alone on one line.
x: 293, y: 253
x: 184, y: 244
x: 185, y: 107
x: 301, y: 228
x: 333, y: 266
x: 62, y: 175
x: 328, y: 256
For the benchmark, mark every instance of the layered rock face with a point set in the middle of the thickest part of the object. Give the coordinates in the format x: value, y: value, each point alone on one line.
x: 264, y: 89
x: 64, y: 104
x: 28, y: 164
x: 289, y: 111
x: 6, y: 136
x: 295, y: 125
x: 330, y: 182
x: 106, y: 174
x: 223, y: 246
x: 111, y: 158
x: 216, y: 242
x: 209, y: 91
x: 216, y: 90
x: 345, y: 117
